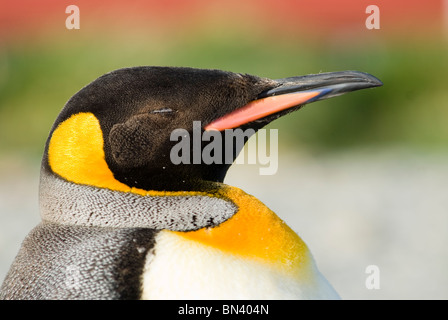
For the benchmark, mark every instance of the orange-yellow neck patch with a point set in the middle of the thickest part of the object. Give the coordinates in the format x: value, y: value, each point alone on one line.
x: 256, y: 232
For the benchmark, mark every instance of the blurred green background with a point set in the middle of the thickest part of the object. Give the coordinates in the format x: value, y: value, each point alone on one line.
x: 42, y: 64
x: 409, y: 111
x: 41, y: 69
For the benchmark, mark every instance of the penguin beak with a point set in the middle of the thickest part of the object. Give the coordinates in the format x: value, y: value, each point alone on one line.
x: 295, y: 92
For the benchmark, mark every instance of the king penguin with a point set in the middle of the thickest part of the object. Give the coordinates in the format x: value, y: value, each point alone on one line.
x: 121, y: 220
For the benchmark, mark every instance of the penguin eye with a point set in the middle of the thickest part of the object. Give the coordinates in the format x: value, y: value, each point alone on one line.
x: 163, y: 110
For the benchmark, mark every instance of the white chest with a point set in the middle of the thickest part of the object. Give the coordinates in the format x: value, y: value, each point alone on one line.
x: 184, y: 269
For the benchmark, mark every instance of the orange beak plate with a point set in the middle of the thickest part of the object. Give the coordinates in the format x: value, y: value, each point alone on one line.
x: 261, y: 108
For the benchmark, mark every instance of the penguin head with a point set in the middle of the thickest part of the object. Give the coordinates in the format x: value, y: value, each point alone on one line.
x: 117, y: 132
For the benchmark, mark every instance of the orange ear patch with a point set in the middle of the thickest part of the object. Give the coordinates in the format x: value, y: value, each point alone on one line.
x: 76, y: 153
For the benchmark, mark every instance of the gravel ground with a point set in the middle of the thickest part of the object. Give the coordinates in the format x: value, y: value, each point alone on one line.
x: 353, y: 210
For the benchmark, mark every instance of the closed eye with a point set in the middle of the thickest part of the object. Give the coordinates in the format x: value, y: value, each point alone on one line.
x: 164, y: 110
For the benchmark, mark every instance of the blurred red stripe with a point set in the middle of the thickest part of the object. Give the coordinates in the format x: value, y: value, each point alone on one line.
x: 290, y: 16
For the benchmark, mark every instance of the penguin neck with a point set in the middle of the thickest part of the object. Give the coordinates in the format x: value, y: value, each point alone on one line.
x: 188, y: 178
x: 69, y: 203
